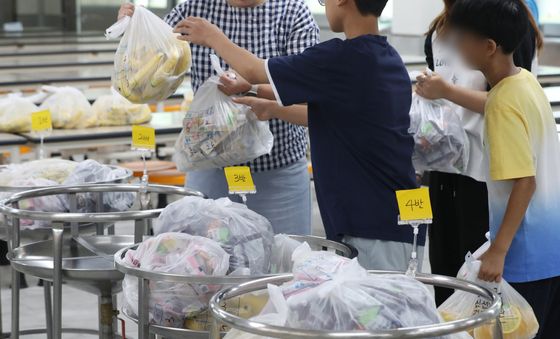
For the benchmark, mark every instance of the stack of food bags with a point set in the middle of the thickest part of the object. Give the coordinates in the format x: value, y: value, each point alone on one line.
x: 151, y: 62
x: 245, y: 235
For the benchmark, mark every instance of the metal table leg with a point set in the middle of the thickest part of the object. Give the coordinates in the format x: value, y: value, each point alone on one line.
x: 143, y: 309
x: 48, y: 307
x: 57, y: 231
x: 14, y: 243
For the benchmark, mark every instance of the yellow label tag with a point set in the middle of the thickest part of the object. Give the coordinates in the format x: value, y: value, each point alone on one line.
x: 41, y: 121
x: 415, y: 205
x: 239, y: 180
x: 143, y: 138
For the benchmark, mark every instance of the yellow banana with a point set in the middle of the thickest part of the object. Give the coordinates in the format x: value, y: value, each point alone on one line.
x: 184, y: 60
x: 166, y: 69
x: 143, y: 74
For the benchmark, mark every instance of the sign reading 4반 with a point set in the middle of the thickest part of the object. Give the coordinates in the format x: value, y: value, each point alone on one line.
x: 415, y: 205
x: 143, y: 138
x: 239, y: 180
x: 41, y: 121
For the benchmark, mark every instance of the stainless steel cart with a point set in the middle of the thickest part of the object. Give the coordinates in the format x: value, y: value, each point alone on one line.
x: 82, y: 261
x: 145, y: 329
x: 489, y: 315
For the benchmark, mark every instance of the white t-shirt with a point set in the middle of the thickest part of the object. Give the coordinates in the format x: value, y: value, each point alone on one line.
x: 449, y: 66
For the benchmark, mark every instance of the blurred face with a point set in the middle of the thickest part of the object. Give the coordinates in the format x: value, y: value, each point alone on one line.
x: 334, y: 14
x: 475, y: 50
x: 245, y: 3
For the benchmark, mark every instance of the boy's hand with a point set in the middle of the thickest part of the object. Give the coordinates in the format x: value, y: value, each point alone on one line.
x: 432, y: 87
x: 127, y: 9
x: 263, y: 108
x: 492, y: 267
x: 233, y: 83
x: 198, y: 31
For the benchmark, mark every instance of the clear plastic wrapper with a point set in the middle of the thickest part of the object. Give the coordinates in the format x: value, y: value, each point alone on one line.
x: 151, y: 62
x: 171, y: 303
x: 115, y: 110
x: 89, y: 171
x: 282, y: 251
x: 441, y: 142
x: 56, y: 170
x: 245, y: 235
x: 69, y: 108
x: 15, y: 113
x: 517, y: 317
x: 218, y: 132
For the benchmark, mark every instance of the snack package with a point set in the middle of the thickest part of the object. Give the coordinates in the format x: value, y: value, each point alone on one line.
x: 517, y: 317
x: 171, y: 303
x: 218, y: 132
x: 245, y: 235
x: 282, y: 251
x: 151, y: 62
x: 15, y: 113
x: 69, y: 108
x: 90, y: 171
x: 441, y: 142
x: 115, y: 110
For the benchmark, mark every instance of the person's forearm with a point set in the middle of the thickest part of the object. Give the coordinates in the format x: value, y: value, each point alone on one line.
x: 266, y: 92
x: 296, y: 114
x: 521, y: 195
x: 470, y: 99
x: 242, y: 61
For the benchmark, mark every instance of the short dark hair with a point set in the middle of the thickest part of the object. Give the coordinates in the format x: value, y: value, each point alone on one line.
x: 371, y: 7
x: 504, y: 21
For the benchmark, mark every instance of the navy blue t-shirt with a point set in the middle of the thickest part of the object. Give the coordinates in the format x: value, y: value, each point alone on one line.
x: 358, y: 94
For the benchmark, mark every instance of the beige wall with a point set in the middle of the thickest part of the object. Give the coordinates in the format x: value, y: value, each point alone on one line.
x: 412, y: 17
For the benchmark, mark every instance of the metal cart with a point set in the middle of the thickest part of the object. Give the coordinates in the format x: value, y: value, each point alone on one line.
x: 85, y: 262
x: 146, y: 329
x: 487, y: 316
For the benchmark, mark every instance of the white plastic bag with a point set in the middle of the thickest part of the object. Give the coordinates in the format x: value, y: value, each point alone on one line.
x: 15, y: 113
x: 69, y: 108
x: 90, y: 171
x: 56, y: 170
x: 151, y: 62
x: 170, y: 303
x: 441, y: 142
x: 282, y: 251
x: 116, y: 110
x: 245, y: 235
x: 218, y: 132
x: 517, y: 317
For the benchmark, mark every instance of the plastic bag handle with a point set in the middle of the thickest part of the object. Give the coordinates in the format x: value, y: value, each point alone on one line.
x: 216, y: 65
x: 118, y: 28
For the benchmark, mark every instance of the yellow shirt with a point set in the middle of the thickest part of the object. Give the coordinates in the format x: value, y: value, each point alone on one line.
x: 522, y: 141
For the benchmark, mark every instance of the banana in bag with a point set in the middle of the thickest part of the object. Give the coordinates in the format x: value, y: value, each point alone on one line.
x: 115, y: 110
x: 15, y: 113
x: 151, y: 62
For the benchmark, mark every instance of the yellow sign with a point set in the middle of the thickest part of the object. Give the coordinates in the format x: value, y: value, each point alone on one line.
x: 415, y: 205
x: 143, y: 138
x: 41, y: 121
x: 239, y: 180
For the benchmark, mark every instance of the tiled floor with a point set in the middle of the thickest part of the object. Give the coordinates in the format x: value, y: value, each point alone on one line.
x: 80, y: 308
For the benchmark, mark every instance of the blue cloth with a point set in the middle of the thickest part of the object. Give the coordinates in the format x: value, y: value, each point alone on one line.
x: 283, y: 195
x: 358, y: 93
x: 532, y: 4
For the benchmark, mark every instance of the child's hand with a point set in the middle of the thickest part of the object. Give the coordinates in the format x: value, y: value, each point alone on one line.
x: 198, y: 31
x: 263, y: 108
x: 492, y: 267
x: 432, y: 87
x: 233, y: 83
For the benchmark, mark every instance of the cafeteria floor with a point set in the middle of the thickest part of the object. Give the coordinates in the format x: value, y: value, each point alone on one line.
x: 80, y: 308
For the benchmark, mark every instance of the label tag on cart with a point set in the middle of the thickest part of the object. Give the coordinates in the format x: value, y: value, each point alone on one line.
x: 143, y: 138
x: 239, y: 180
x: 414, y: 205
x: 41, y: 121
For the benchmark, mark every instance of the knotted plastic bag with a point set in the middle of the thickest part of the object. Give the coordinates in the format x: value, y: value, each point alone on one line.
x: 245, y: 235
x: 116, y: 110
x: 517, y: 317
x: 171, y: 303
x: 15, y: 113
x: 218, y: 132
x: 151, y: 62
x: 69, y: 108
x: 440, y: 141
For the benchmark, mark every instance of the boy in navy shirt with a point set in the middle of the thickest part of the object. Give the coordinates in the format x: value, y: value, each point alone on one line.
x: 358, y: 96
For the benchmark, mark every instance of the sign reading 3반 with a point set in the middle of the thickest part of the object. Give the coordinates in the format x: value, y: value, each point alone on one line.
x: 239, y: 180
